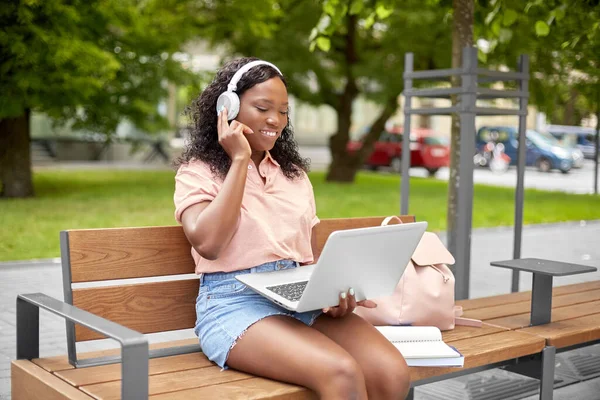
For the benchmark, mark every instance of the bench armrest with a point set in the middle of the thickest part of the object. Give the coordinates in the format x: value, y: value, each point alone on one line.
x: 134, y: 345
x: 543, y: 272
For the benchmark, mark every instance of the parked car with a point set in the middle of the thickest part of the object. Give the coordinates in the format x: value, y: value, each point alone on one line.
x: 427, y: 150
x: 543, y: 150
x: 576, y: 136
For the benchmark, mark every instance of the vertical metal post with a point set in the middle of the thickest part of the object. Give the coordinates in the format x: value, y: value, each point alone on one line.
x: 28, y: 330
x: 134, y: 370
x: 519, y: 195
x: 405, y: 185
x: 541, y: 300
x: 547, y: 378
x: 465, y: 188
x: 597, y: 141
x: 65, y: 259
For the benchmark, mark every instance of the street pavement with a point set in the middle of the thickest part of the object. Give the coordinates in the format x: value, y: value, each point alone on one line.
x: 575, y: 242
x: 578, y: 180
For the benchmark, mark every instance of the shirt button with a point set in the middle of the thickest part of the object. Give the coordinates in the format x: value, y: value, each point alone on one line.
x: 249, y: 166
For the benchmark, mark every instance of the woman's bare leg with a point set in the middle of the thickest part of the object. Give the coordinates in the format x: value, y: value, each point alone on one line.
x: 285, y: 349
x: 385, y: 370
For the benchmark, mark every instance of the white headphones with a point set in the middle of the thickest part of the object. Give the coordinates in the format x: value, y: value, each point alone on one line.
x: 230, y: 99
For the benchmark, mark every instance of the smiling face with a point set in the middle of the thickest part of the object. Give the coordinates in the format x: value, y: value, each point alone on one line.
x: 264, y: 108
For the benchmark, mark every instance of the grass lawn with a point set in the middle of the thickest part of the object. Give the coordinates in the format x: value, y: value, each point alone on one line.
x: 114, y: 198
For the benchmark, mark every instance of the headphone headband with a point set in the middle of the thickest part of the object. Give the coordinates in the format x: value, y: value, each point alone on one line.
x: 232, y: 86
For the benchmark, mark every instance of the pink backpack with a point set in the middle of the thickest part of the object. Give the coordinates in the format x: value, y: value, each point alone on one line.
x: 425, y: 294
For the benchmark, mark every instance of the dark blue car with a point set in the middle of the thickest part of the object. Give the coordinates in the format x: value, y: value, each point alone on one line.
x: 543, y: 150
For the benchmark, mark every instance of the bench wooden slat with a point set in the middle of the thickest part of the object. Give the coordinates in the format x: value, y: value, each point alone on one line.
x: 559, y: 314
x: 144, y: 307
x: 112, y: 372
x: 30, y: 382
x: 61, y: 363
x: 465, y: 332
x: 525, y: 306
x: 491, y: 301
x: 324, y: 229
x: 568, y: 333
x: 503, y: 299
x: 171, y: 382
x: 247, y: 389
x: 484, y: 350
x: 120, y: 253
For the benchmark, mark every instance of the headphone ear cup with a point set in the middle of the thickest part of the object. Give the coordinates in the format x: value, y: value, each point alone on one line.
x: 231, y: 101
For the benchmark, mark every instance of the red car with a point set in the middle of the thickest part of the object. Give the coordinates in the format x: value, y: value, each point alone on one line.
x: 426, y: 150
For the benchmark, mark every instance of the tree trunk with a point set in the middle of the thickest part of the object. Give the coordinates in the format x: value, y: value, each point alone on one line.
x: 569, y: 113
x: 340, y: 169
x: 343, y: 169
x: 462, y: 35
x: 15, y: 157
x: 344, y: 166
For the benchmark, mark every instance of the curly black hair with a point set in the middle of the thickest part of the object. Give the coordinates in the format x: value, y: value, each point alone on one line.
x: 203, y: 142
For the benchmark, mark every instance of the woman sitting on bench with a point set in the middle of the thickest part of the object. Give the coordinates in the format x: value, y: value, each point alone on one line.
x: 246, y: 205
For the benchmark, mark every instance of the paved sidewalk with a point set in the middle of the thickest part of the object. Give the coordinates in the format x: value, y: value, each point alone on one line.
x: 576, y: 242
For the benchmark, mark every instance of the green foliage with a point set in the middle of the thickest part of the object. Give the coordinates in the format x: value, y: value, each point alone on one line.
x: 562, y: 39
x: 541, y: 28
x: 310, y: 42
x: 93, y: 62
x: 103, y: 199
x: 559, y: 35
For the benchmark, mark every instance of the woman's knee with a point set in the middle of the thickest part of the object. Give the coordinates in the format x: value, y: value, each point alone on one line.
x: 390, y: 379
x: 341, y: 376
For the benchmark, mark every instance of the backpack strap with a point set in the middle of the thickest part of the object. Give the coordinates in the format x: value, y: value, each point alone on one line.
x: 459, y: 320
x: 388, y: 219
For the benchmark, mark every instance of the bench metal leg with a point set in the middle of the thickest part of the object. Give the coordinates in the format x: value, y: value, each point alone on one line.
x: 28, y: 330
x: 541, y: 300
x: 547, y: 378
x: 134, y: 370
x: 411, y: 394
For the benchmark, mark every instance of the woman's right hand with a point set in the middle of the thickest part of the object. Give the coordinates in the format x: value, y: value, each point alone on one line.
x: 231, y: 137
x: 347, y: 305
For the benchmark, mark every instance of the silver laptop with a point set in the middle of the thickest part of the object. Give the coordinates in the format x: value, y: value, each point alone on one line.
x: 369, y: 260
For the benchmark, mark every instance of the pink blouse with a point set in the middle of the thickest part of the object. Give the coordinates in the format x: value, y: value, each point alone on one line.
x: 277, y: 215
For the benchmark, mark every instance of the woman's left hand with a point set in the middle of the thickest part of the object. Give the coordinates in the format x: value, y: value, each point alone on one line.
x: 347, y: 305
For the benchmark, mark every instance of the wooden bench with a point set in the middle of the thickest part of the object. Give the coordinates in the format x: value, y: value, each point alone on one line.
x: 177, y: 370
x: 575, y: 319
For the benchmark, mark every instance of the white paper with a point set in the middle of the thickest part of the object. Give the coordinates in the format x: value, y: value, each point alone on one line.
x: 422, y: 345
x: 410, y: 333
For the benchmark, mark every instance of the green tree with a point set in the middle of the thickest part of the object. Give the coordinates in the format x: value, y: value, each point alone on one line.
x: 356, y: 53
x: 559, y: 35
x: 562, y: 39
x: 90, y: 62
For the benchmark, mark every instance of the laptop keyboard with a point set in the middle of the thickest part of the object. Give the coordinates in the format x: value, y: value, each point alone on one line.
x: 289, y: 291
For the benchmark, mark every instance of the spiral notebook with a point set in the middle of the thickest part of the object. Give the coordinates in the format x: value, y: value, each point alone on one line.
x: 422, y: 346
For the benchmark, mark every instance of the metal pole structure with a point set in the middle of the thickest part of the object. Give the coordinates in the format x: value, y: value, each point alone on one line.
x: 465, y: 188
x: 597, y: 139
x: 519, y: 195
x: 405, y: 184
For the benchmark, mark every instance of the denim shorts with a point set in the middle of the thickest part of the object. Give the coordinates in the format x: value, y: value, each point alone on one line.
x: 226, y: 308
